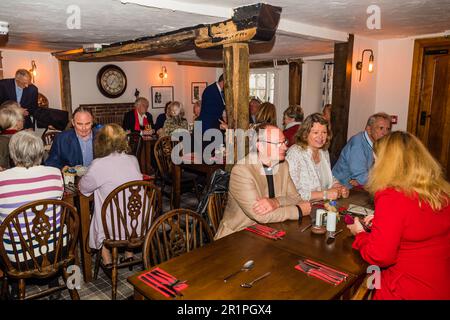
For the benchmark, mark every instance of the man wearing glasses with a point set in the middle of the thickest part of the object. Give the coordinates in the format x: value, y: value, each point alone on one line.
x: 261, y: 189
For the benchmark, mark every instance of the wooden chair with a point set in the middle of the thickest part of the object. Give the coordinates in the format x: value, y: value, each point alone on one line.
x: 135, y: 142
x: 38, y: 240
x: 127, y: 214
x: 174, y: 233
x: 363, y: 292
x: 216, y: 208
x: 48, y: 137
x: 162, y: 151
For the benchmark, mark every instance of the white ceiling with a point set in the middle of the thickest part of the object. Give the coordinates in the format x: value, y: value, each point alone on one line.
x: 41, y: 25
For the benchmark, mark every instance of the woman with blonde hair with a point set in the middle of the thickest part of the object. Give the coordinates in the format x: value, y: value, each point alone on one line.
x: 111, y: 168
x: 410, y: 232
x: 175, y: 119
x: 309, y: 161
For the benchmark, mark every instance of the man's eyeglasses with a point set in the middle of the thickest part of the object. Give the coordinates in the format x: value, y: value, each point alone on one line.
x: 278, y: 144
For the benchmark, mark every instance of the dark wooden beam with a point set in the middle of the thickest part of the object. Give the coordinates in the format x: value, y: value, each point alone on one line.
x: 256, y: 22
x: 295, y: 82
x: 66, y: 94
x: 342, y: 82
x: 153, y: 46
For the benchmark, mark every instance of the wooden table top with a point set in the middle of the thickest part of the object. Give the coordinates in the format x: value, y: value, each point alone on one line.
x: 205, y: 268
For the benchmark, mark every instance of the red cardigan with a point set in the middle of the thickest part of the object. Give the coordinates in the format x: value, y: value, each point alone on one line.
x: 411, y: 245
x: 289, y: 134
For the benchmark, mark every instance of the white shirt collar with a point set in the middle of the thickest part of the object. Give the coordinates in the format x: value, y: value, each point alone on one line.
x: 291, y: 124
x: 369, y: 141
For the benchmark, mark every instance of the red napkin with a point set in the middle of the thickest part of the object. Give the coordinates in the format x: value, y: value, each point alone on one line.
x: 323, y: 272
x: 158, y: 278
x: 266, y: 231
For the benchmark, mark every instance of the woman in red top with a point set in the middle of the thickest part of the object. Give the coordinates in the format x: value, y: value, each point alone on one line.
x: 410, y: 237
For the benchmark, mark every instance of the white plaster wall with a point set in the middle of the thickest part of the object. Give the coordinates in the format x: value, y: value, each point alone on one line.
x: 363, y: 93
x: 394, y: 79
x: 47, y: 78
x: 311, y: 100
x: 141, y: 75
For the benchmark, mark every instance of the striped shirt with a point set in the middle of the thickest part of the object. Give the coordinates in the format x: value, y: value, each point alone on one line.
x: 19, y: 186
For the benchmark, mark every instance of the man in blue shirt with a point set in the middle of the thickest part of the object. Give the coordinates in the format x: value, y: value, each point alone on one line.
x: 356, y: 159
x: 74, y: 147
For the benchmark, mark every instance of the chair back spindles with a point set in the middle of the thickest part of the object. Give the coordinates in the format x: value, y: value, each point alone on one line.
x: 128, y: 212
x: 174, y: 233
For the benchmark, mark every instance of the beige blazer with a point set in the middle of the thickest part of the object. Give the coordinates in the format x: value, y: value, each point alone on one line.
x: 248, y: 182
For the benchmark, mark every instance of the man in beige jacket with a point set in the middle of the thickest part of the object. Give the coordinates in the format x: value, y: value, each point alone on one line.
x: 261, y: 190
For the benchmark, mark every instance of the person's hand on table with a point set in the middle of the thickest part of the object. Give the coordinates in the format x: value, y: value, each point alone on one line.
x: 356, y: 227
x: 354, y: 182
x: 333, y: 193
x: 265, y: 205
x: 306, y: 207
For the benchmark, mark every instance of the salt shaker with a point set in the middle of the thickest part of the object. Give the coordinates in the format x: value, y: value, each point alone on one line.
x: 331, y: 221
x: 320, y: 213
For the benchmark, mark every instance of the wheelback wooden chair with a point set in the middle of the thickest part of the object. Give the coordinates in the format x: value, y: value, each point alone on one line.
x: 127, y: 215
x: 38, y: 240
x: 174, y: 233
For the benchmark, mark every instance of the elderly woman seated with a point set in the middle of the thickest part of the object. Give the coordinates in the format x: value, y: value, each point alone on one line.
x: 309, y: 161
x: 175, y: 119
x: 111, y: 168
x: 292, y: 119
x: 11, y: 121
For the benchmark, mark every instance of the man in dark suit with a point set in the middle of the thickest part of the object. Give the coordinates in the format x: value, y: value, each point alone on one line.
x: 213, y: 105
x: 21, y: 90
x: 138, y: 119
x: 75, y: 146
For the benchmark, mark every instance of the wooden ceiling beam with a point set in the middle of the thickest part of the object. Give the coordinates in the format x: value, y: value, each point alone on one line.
x: 256, y: 22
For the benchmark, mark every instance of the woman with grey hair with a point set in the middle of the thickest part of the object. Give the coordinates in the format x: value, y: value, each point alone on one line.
x: 28, y: 180
x: 11, y: 121
x: 292, y: 119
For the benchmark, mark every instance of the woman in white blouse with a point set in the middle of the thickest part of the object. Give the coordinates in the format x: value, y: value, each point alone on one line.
x: 309, y: 161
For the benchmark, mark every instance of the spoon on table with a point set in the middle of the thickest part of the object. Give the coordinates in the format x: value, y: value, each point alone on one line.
x: 247, y: 266
x: 250, y: 284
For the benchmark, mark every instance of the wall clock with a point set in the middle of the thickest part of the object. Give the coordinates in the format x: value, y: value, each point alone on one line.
x: 111, y: 81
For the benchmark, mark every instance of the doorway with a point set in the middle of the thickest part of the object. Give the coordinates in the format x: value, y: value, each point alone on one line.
x: 429, y: 107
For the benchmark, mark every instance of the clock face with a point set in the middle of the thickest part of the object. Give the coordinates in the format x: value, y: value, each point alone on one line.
x: 111, y: 81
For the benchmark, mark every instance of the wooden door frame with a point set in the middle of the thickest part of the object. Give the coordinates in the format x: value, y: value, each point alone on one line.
x: 417, y: 69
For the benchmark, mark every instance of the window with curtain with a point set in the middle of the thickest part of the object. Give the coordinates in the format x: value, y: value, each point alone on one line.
x: 327, y: 83
x: 262, y: 85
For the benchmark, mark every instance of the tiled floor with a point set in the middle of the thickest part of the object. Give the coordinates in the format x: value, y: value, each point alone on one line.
x: 100, y: 289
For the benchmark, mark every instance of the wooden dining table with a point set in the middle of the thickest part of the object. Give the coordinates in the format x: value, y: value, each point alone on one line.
x: 146, y: 156
x: 205, y: 268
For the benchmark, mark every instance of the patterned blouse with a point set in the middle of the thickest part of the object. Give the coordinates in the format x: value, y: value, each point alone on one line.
x: 307, y: 175
x: 171, y: 124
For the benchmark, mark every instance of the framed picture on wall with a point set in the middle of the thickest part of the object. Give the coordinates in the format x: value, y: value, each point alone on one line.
x: 161, y: 95
x: 197, y: 89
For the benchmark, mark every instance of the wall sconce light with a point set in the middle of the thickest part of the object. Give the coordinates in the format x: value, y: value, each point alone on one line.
x: 163, y: 74
x: 359, y: 64
x: 33, y: 70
